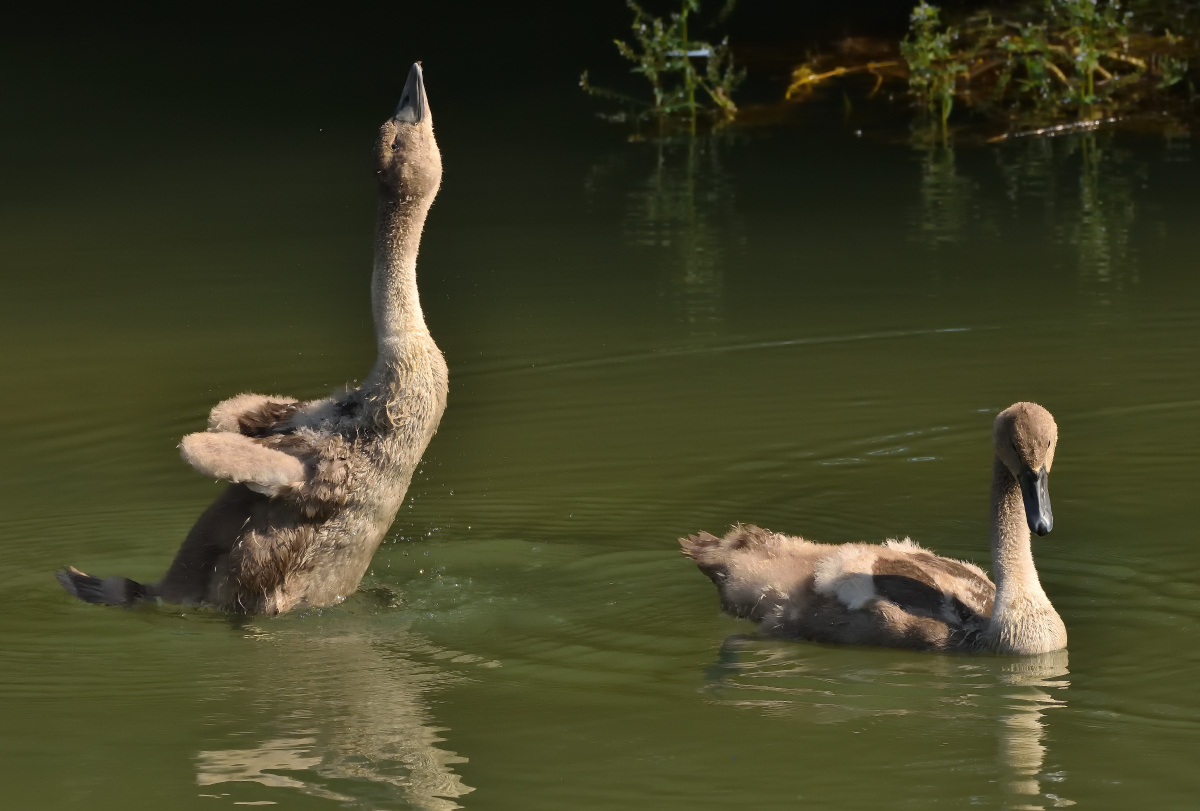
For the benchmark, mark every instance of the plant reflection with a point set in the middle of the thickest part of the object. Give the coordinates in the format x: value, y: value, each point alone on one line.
x: 684, y: 207
x: 946, y: 197
x: 346, y: 707
x: 1106, y: 210
x: 1097, y: 214
x: 1083, y: 185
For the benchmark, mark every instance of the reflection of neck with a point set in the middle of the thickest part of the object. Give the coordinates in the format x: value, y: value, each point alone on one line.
x: 394, y: 298
x: 1023, y: 621
x: 1021, y: 747
x: 1031, y: 685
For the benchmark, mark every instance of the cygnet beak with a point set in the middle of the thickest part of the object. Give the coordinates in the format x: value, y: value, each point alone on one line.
x: 413, y: 106
x: 1035, y: 492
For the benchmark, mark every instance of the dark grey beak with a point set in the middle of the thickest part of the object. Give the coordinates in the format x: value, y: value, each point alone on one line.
x: 1035, y: 490
x: 413, y: 106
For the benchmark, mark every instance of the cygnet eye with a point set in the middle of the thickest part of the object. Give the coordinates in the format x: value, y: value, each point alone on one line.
x: 395, y: 144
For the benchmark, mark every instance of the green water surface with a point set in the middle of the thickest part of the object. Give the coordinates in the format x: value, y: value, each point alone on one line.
x: 808, y: 332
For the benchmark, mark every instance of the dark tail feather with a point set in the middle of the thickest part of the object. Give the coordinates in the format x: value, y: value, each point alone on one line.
x: 109, y: 591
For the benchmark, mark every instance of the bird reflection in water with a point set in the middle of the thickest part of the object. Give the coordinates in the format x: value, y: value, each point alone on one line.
x: 349, y: 720
x: 1022, y: 750
x: 830, y: 685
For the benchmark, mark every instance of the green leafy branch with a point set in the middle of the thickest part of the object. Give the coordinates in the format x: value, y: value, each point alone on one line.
x: 665, y: 55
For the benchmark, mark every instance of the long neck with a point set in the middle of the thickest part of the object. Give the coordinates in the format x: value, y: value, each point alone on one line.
x: 1023, y: 621
x: 394, y: 298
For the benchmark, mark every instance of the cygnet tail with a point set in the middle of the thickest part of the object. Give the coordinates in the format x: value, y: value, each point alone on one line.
x: 754, y: 569
x: 106, y: 591
x: 717, y: 556
x: 706, y: 549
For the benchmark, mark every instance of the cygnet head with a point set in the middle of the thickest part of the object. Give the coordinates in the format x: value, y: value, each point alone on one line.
x: 1025, y: 436
x: 407, y: 159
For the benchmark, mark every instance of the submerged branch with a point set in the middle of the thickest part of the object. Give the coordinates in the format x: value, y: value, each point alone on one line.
x: 803, y: 77
x: 1058, y: 129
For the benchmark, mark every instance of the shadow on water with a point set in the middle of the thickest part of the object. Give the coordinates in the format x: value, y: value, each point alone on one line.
x: 341, y: 714
x: 820, y: 684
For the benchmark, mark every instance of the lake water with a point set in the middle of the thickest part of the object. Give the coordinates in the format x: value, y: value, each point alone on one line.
x: 805, y: 330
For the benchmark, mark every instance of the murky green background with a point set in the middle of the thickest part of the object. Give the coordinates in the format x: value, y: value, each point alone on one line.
x: 804, y: 330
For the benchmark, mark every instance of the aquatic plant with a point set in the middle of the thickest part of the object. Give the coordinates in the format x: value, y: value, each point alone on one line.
x: 1041, y: 69
x: 933, y: 65
x: 665, y: 55
x: 1060, y: 58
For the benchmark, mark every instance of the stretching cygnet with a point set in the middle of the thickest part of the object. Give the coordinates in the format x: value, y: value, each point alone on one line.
x: 316, y: 484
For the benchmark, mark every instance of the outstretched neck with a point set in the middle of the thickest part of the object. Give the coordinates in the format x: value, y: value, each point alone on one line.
x: 1023, y: 620
x: 394, y: 299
